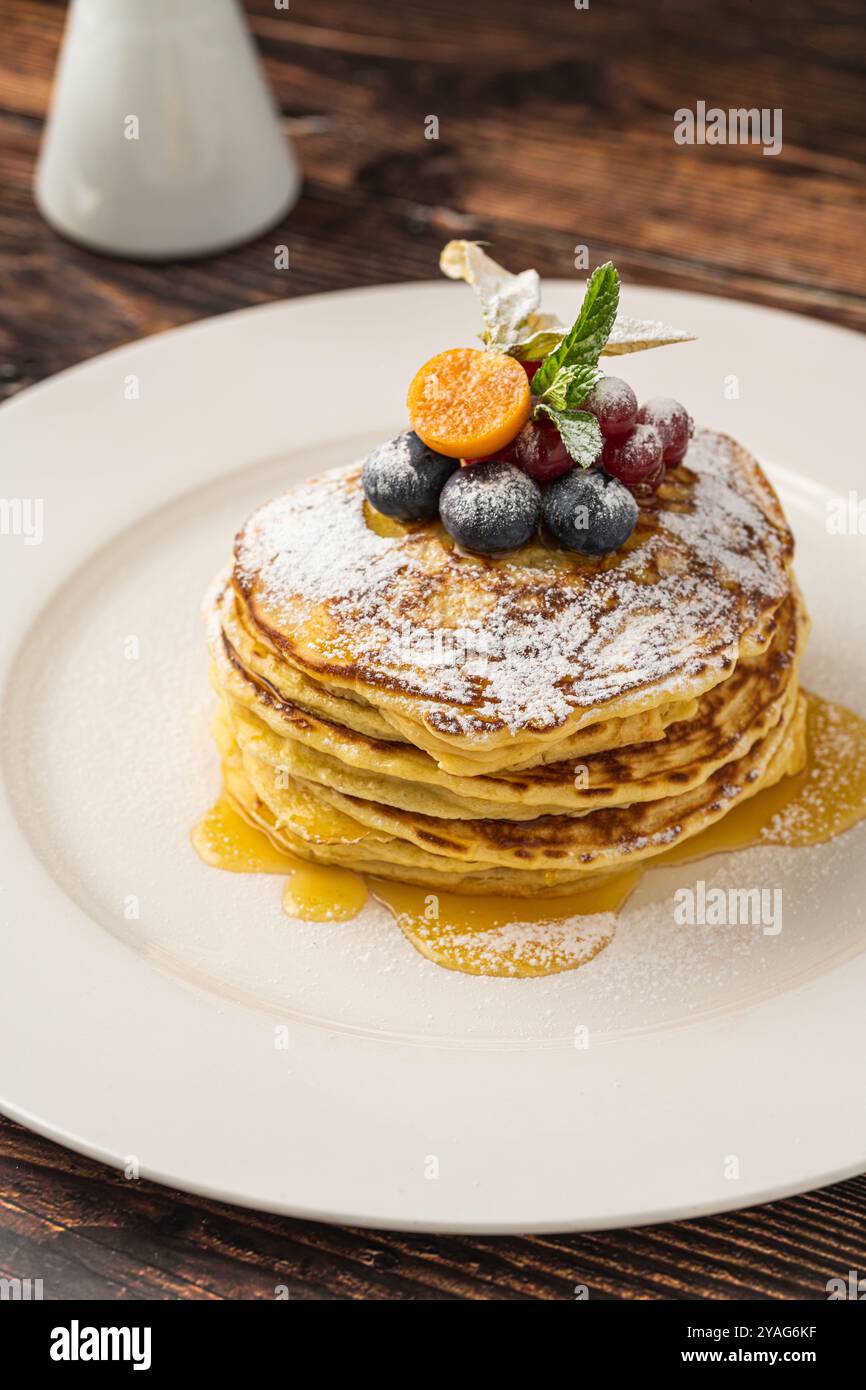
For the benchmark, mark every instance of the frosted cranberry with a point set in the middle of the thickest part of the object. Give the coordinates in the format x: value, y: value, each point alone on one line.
x: 531, y: 368
x: 673, y: 423
x: 635, y: 457
x: 649, y: 486
x: 540, y: 452
x: 614, y: 405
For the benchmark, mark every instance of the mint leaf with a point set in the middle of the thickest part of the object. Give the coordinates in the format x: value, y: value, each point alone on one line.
x: 570, y: 387
x: 514, y: 323
x: 578, y: 430
x: 583, y: 345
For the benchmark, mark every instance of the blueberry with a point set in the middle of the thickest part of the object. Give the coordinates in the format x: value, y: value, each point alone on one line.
x: 589, y: 511
x: 490, y: 506
x: 404, y: 478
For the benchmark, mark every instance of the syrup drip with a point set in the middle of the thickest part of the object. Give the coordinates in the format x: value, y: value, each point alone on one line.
x: 313, y: 892
x: 503, y: 935
x: 508, y: 936
x: 824, y: 800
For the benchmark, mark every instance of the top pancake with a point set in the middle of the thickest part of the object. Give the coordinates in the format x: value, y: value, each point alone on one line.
x: 465, y: 651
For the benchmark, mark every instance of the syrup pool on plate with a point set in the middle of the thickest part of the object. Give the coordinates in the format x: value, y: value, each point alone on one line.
x: 313, y: 892
x: 502, y: 935
x: 507, y: 936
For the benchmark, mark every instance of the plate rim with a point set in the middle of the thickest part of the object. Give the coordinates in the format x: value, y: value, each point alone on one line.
x: 226, y: 323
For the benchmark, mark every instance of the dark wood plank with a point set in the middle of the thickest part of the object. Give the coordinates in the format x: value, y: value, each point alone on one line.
x: 555, y: 131
x: 89, y: 1233
x: 593, y: 163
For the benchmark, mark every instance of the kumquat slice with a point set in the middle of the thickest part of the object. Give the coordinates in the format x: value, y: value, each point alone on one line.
x: 467, y: 403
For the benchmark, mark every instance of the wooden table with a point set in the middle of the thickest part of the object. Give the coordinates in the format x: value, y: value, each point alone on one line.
x: 555, y: 130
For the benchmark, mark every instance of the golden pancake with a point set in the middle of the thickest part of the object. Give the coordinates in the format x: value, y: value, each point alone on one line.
x: 288, y: 696
x: 523, y: 723
x: 731, y: 717
x: 464, y: 655
x: 546, y: 856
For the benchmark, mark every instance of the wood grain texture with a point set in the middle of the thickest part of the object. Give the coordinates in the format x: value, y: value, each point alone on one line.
x: 88, y: 1233
x: 555, y: 130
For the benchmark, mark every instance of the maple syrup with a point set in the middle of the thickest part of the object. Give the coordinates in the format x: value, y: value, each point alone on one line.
x: 313, y: 892
x: 508, y: 936
x: 502, y: 935
x: 827, y: 798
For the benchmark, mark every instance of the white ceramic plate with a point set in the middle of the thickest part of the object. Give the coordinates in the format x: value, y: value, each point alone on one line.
x: 142, y: 993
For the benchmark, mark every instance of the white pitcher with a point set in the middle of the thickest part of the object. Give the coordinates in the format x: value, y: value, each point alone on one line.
x: 163, y: 139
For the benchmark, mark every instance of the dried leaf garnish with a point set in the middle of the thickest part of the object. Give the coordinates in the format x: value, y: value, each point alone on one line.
x: 634, y: 335
x: 513, y: 322
x: 507, y: 300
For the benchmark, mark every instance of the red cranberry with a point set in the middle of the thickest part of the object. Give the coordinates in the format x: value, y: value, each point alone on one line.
x: 673, y: 423
x: 649, y: 486
x: 614, y: 405
x: 540, y: 452
x: 635, y: 457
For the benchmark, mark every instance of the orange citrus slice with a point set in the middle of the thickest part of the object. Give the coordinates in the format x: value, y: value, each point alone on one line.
x: 467, y: 404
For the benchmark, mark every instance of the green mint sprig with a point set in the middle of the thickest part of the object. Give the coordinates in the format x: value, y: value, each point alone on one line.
x: 578, y: 430
x: 561, y: 403
x: 584, y: 343
x: 569, y: 388
x: 567, y: 375
x: 514, y: 323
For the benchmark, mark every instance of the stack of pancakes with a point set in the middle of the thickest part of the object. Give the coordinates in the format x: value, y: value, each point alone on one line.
x: 524, y: 723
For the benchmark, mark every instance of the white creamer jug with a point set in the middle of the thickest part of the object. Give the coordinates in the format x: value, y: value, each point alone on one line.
x: 163, y: 139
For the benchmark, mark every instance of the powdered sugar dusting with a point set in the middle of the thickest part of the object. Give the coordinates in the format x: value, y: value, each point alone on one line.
x: 514, y: 948
x: 473, y: 493
x: 612, y: 393
x: 630, y: 335
x: 536, y: 638
x: 832, y: 791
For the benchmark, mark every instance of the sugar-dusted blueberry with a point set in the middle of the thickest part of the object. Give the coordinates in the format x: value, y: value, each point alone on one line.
x: 635, y: 456
x: 672, y: 423
x: 590, y: 511
x: 403, y: 478
x: 614, y: 405
x: 490, y: 507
